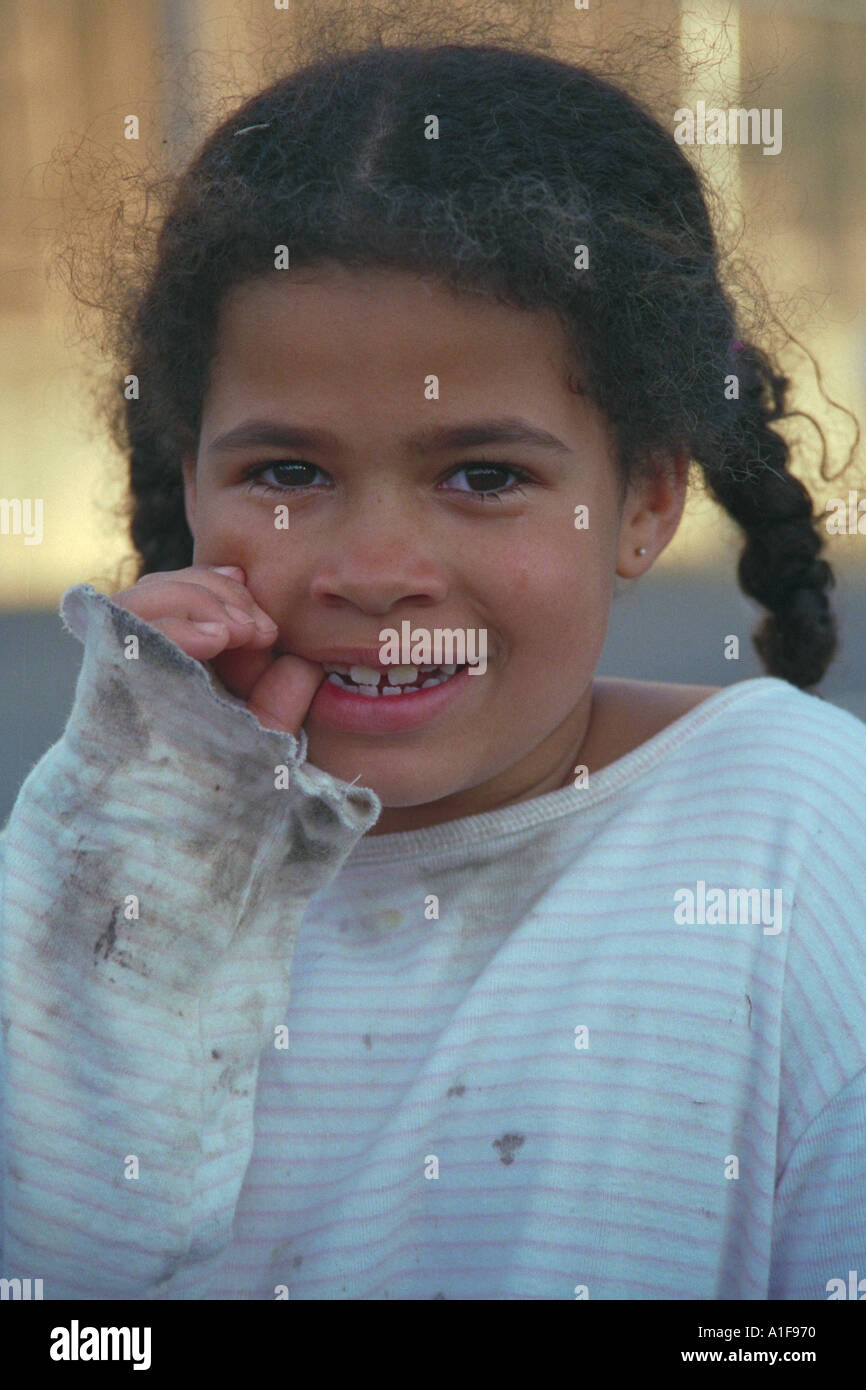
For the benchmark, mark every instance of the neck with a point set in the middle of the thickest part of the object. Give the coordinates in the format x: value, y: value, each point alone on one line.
x: 545, y: 769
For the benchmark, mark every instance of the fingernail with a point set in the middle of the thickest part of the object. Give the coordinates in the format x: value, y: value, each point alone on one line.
x: 237, y: 616
x: 266, y: 625
x: 211, y: 629
x: 227, y: 569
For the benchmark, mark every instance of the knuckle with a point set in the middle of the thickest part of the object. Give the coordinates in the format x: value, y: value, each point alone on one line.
x: 221, y: 585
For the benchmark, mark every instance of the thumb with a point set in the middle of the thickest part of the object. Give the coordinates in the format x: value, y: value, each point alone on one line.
x: 281, y: 697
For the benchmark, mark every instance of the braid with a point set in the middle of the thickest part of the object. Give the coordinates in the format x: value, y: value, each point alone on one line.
x: 778, y: 566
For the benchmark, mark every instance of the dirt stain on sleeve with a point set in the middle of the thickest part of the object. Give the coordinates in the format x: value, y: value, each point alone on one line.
x: 121, y: 707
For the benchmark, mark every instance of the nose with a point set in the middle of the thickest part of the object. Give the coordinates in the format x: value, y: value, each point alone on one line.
x: 378, y: 559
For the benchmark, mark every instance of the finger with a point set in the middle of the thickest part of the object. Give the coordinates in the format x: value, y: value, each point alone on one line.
x: 233, y: 572
x: 199, y: 603
x: 226, y: 581
x: 240, y: 669
x: 281, y: 698
x: 199, y: 640
x: 231, y: 581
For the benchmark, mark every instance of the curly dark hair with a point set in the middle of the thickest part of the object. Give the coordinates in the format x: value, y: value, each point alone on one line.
x: 534, y: 157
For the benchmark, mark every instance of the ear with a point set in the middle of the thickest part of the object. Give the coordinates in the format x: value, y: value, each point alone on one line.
x: 651, y: 514
x: 189, y: 491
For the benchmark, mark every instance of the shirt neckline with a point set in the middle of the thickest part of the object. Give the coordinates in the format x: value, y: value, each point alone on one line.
x: 486, y: 825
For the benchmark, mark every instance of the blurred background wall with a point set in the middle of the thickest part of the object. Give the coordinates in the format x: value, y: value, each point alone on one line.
x: 73, y: 70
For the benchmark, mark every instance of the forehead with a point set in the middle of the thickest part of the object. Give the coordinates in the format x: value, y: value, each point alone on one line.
x: 330, y: 322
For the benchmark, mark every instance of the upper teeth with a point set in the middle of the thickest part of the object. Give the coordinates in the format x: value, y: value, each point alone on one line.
x: 367, y: 677
x: 402, y: 675
x: 364, y: 675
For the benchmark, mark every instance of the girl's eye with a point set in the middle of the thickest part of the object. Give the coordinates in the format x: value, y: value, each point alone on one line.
x: 488, y: 475
x: 290, y: 475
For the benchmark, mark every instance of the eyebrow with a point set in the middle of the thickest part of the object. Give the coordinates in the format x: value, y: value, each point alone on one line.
x: 504, y: 430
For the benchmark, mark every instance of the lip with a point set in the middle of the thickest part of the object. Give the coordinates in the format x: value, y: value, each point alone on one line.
x: 347, y: 656
x: 380, y: 714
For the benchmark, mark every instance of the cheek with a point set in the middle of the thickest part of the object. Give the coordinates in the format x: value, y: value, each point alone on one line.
x: 549, y: 576
x: 241, y: 533
x: 559, y: 599
x: 520, y: 580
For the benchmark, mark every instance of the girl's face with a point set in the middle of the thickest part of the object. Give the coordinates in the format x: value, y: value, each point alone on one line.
x: 390, y: 521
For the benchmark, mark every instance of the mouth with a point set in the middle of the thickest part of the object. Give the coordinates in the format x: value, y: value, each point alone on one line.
x: 375, y: 701
x: 389, y: 682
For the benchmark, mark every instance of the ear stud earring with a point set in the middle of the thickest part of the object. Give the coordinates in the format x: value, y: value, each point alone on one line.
x: 642, y: 551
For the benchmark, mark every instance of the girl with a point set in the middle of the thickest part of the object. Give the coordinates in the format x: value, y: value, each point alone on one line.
x: 510, y: 983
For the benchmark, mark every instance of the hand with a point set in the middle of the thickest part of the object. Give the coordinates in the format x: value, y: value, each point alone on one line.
x: 209, y: 613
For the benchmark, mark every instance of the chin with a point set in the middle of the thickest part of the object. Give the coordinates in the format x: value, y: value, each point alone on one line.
x: 394, y: 776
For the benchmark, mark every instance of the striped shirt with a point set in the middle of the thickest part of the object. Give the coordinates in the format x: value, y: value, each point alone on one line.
x: 608, y: 1043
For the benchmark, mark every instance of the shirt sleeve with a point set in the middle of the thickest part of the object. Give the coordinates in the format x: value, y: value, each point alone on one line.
x: 819, y: 1228
x: 819, y: 1210
x: 156, y: 866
